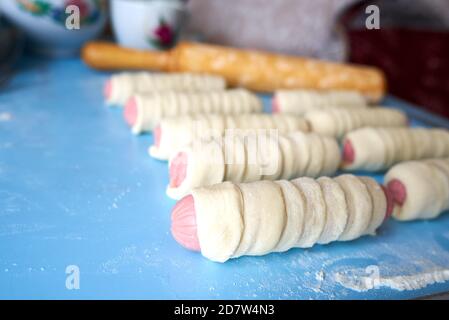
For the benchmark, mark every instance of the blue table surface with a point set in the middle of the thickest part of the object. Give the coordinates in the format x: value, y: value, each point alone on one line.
x: 77, y: 188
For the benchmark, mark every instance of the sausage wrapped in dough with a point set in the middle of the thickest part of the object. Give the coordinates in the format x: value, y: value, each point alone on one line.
x: 420, y: 189
x: 230, y: 220
x: 252, y: 157
x: 122, y: 86
x: 300, y: 102
x: 177, y: 132
x: 375, y: 149
x: 144, y: 111
x: 338, y: 122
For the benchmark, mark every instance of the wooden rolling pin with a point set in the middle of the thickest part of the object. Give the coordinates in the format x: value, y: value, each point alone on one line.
x: 259, y: 71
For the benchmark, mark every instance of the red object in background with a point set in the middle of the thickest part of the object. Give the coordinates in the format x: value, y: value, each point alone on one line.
x: 411, y: 47
x: 164, y: 33
x: 416, y: 63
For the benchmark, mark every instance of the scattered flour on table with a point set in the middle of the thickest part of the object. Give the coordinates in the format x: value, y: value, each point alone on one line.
x: 319, y: 276
x: 5, y: 116
x: 400, y: 283
x: 20, y: 228
x: 132, y: 258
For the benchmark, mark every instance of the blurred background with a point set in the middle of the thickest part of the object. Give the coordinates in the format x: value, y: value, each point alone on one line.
x: 411, y: 45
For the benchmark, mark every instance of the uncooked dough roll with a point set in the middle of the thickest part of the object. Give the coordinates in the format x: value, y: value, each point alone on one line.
x: 144, y: 112
x: 174, y: 133
x: 251, y: 157
x: 229, y: 220
x: 375, y: 149
x: 300, y: 102
x: 420, y: 189
x: 120, y: 87
x: 337, y: 122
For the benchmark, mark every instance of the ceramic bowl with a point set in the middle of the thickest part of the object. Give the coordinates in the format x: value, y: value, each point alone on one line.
x: 57, y: 27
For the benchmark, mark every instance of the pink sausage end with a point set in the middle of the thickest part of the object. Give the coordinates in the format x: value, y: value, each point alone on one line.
x: 348, y: 152
x: 157, y: 132
x: 184, y: 228
x: 390, y: 203
x: 398, y: 191
x: 130, y: 112
x: 178, y: 169
x: 275, y: 105
x: 107, y: 91
x: 183, y: 224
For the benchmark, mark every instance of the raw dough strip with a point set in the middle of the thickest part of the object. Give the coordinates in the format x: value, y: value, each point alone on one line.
x: 123, y: 86
x: 359, y: 206
x: 314, y: 213
x: 375, y: 149
x: 252, y: 157
x: 263, y: 218
x: 177, y: 132
x: 272, y: 216
x: 300, y: 102
x: 336, y: 210
x: 420, y: 189
x: 338, y: 122
x: 377, y: 194
x: 149, y: 109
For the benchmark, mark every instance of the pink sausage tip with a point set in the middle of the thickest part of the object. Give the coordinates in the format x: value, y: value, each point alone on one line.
x: 275, y: 105
x: 107, y: 91
x: 178, y: 169
x: 157, y: 132
x: 398, y: 191
x: 348, y: 152
x: 183, y: 224
x: 130, y: 112
x: 390, y: 203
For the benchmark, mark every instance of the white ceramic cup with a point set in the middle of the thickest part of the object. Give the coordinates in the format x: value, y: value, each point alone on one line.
x: 148, y: 24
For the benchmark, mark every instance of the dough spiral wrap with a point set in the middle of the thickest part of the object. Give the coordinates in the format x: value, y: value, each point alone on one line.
x: 425, y: 186
x: 337, y: 122
x: 127, y: 84
x: 156, y: 106
x: 181, y: 131
x: 253, y: 157
x: 300, y: 102
x: 379, y: 148
x: 272, y: 216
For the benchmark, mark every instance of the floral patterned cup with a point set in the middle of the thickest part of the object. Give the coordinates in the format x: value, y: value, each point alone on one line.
x: 148, y: 24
